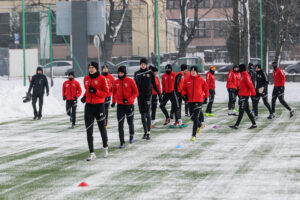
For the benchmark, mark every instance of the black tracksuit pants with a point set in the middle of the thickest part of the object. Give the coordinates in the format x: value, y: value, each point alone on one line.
x: 122, y: 111
x: 107, y: 104
x: 264, y: 97
x: 153, y: 106
x: 232, y: 93
x: 71, y: 106
x: 278, y: 92
x: 196, y: 115
x: 244, y: 107
x: 41, y: 101
x: 144, y: 103
x: 175, y: 104
x: 92, y: 112
x: 211, y: 101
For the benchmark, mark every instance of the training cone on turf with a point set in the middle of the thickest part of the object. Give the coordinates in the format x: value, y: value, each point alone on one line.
x: 179, y: 146
x: 83, y: 184
x: 215, y: 126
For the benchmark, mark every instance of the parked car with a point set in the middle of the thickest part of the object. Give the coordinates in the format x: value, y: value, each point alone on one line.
x: 186, y: 60
x: 131, y: 66
x: 226, y: 68
x: 293, y: 69
x: 59, y: 68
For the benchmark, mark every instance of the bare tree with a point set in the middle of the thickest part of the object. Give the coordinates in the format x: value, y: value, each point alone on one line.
x: 113, y: 26
x: 188, y: 30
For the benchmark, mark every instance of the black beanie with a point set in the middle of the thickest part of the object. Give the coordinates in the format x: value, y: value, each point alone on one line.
x: 183, y: 67
x: 235, y: 66
x: 104, y: 66
x: 143, y: 60
x: 122, y: 69
x: 39, y: 69
x: 168, y: 66
x: 242, y: 67
x: 94, y: 64
x: 71, y: 73
x: 250, y: 66
x: 258, y: 66
x: 195, y: 68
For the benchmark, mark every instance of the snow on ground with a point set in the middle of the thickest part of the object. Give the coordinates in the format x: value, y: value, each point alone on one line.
x: 13, y: 108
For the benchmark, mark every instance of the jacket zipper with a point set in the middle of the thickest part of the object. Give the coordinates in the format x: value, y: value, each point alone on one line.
x: 91, y: 93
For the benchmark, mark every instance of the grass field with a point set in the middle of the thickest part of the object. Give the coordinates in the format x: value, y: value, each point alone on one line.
x: 46, y: 160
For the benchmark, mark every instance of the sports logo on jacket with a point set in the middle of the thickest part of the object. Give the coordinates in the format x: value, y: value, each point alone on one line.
x: 86, y: 82
x: 148, y: 75
x: 67, y: 85
x: 96, y: 82
x: 125, y: 84
x: 74, y: 84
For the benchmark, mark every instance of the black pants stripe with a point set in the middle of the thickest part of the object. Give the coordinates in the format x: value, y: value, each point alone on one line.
x: 92, y: 112
x: 211, y: 101
x: 196, y: 115
x: 41, y: 101
x: 71, y: 106
x: 106, y: 105
x: 244, y: 107
x: 278, y: 92
x: 122, y: 112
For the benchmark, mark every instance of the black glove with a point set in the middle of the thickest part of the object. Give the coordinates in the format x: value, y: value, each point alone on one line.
x: 64, y: 98
x: 185, y: 98
x: 164, y: 93
x: 47, y: 94
x: 205, y: 101
x: 92, y: 90
x: 75, y: 98
x: 113, y: 105
x: 83, y: 99
x: 125, y: 101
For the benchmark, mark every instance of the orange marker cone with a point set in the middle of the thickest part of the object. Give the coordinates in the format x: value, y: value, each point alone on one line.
x: 83, y: 184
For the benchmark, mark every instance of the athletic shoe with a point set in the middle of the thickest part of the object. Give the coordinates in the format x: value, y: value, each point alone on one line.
x: 167, y: 122
x: 233, y: 114
x: 234, y: 127
x: 175, y: 125
x: 91, y: 157
x: 144, y: 137
x: 131, y: 139
x: 73, y: 126
x: 255, y: 117
x: 35, y: 117
x: 292, y: 113
x: 253, y: 126
x: 193, y: 138
x: 236, y: 110
x: 39, y: 118
x: 271, y: 116
x: 122, y: 146
x: 199, y: 130
x: 105, y: 152
x: 207, y: 114
x: 153, y: 126
x: 212, y: 115
x: 183, y: 126
x: 148, y: 136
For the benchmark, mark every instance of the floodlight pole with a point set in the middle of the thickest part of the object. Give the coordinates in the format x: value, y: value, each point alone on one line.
x: 261, y: 38
x: 157, y: 33
x: 24, y: 41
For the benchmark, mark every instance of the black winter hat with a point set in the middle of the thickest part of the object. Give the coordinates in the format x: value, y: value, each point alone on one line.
x: 235, y: 66
x: 258, y: 66
x: 144, y: 60
x: 104, y: 66
x: 71, y: 73
x: 168, y: 66
x: 94, y: 64
x: 250, y: 66
x: 122, y: 69
x: 242, y: 67
x: 195, y: 68
x: 183, y: 67
x: 39, y: 69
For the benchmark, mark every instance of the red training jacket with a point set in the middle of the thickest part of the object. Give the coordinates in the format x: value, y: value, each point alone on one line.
x: 210, y: 80
x: 233, y: 80
x: 168, y: 82
x: 125, y: 89
x: 100, y: 84
x: 279, y: 77
x: 194, y: 87
x: 71, y: 89
x: 110, y: 82
x: 157, y: 85
x: 246, y: 85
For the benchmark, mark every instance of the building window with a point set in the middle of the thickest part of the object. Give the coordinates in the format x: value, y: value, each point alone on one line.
x: 220, y: 29
x: 202, y: 4
x: 4, y: 29
x: 173, y: 4
x: 222, y: 3
x: 204, y: 30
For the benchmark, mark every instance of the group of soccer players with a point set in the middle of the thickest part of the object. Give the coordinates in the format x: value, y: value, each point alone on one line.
x: 101, y: 89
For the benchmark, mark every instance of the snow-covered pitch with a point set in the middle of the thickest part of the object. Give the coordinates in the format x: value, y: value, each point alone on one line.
x: 46, y: 159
